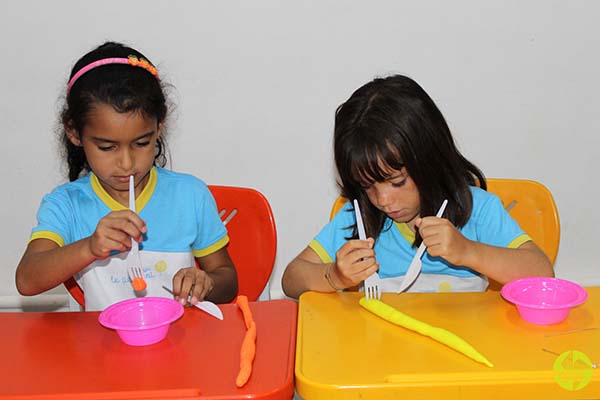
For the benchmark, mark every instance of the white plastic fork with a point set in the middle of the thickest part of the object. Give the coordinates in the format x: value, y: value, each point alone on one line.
x: 372, y: 285
x: 136, y: 274
x: 415, y: 265
x: 134, y: 262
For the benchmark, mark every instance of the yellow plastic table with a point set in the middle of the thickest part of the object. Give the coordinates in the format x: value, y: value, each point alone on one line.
x: 345, y: 352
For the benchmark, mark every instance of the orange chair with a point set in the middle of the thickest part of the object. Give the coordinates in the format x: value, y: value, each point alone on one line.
x: 252, y: 239
x: 337, y: 206
x: 530, y: 203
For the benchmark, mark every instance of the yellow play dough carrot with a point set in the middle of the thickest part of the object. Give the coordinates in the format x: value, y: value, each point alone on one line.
x: 448, y: 338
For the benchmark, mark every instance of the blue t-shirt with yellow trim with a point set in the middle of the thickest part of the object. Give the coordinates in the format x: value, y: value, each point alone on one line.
x: 489, y: 223
x: 182, y: 221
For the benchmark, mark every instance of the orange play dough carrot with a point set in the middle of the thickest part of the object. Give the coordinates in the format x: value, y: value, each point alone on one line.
x: 248, y: 348
x: 138, y: 284
x: 242, y: 302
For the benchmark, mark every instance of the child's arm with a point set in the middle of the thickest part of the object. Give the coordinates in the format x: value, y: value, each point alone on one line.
x: 216, y: 281
x: 355, y: 261
x: 498, y: 263
x: 45, y: 264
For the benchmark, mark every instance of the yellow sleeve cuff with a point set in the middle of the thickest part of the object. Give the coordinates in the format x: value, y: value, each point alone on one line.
x: 212, y: 248
x: 519, y: 240
x: 55, y: 237
x: 321, y: 252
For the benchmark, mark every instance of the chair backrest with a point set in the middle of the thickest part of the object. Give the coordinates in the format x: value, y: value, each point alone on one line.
x: 530, y: 203
x: 337, y: 206
x: 252, y: 236
x: 252, y: 239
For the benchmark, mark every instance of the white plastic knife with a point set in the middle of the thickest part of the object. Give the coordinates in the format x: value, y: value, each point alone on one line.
x: 207, y: 306
x: 414, y: 269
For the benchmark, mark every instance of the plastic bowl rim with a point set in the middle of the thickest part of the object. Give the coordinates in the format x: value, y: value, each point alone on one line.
x: 103, y: 319
x: 580, y: 290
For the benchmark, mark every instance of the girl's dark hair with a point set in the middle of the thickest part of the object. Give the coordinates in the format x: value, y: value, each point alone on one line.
x: 124, y: 87
x: 392, y: 121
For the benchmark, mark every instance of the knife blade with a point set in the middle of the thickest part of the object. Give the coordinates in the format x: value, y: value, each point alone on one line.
x: 207, y: 306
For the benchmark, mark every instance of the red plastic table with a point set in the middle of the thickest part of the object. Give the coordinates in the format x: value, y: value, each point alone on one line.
x: 69, y: 355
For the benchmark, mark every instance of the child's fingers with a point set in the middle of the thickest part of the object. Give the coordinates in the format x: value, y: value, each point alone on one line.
x: 119, y: 236
x: 183, y: 284
x: 137, y: 221
x: 444, y: 240
x: 129, y: 222
x: 358, y: 259
x: 428, y: 222
x: 202, y: 287
x: 433, y: 226
x: 132, y: 218
x: 359, y: 255
x: 193, y: 284
x: 121, y: 226
x: 352, y: 259
x: 358, y: 244
x: 358, y: 270
x: 365, y: 268
x: 177, y: 279
x: 372, y: 269
x: 106, y: 239
x: 101, y: 247
x: 355, y: 248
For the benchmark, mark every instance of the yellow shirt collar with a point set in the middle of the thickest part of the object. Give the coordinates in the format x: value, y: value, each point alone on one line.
x: 114, y: 205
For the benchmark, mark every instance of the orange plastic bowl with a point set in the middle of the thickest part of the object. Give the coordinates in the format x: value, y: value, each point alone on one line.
x: 544, y: 301
x: 141, y: 321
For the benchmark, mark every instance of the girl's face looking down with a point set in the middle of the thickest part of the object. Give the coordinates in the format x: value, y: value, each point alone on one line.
x: 117, y: 145
x: 397, y: 196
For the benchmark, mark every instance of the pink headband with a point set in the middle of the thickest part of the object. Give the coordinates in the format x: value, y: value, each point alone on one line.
x: 131, y: 60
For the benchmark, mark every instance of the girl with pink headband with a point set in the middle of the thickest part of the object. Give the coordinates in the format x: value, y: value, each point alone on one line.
x: 113, y: 127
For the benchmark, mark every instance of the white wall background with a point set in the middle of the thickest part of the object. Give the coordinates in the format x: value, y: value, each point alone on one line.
x: 257, y: 83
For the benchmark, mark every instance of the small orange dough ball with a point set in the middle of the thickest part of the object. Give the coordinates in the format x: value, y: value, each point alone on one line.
x: 138, y: 284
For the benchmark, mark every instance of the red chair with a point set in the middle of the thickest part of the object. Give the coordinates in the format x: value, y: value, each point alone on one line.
x: 252, y: 239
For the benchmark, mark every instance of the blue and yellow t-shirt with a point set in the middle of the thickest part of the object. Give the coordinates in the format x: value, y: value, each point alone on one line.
x: 489, y: 223
x: 181, y: 218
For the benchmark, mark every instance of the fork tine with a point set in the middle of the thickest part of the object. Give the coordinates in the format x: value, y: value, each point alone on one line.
x: 136, y: 275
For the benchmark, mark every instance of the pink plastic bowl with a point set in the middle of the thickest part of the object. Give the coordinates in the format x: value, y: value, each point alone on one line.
x: 141, y: 321
x: 544, y: 301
